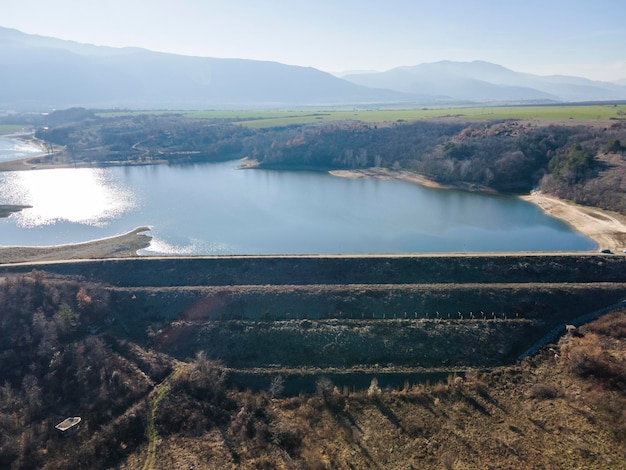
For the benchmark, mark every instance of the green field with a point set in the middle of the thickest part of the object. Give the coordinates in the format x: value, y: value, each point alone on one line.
x: 11, y: 128
x: 279, y: 118
x: 115, y: 114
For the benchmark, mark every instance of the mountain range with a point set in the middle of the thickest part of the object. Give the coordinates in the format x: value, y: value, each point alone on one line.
x: 483, y: 81
x: 39, y: 73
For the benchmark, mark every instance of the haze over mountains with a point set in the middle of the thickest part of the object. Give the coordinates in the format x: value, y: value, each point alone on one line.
x: 38, y: 73
x: 483, y: 81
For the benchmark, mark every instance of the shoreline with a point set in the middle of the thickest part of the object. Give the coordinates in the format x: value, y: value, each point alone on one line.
x: 27, y: 164
x: 23, y: 164
x: 607, y: 229
x: 117, y: 246
x: 39, y: 161
x: 384, y: 174
x: 410, y: 177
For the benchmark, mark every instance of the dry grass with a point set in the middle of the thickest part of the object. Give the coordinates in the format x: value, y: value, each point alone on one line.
x: 564, y: 408
x: 548, y: 412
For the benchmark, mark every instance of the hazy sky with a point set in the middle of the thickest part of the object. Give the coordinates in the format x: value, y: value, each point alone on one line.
x: 575, y: 37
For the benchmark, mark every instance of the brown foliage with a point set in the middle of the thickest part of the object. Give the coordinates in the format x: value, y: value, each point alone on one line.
x: 593, y: 361
x: 592, y: 356
x: 545, y: 413
x: 545, y: 391
x: 612, y: 325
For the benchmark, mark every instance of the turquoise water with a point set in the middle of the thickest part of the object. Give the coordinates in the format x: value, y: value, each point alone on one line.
x: 217, y: 209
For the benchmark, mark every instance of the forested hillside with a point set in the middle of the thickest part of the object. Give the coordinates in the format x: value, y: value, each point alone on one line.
x: 584, y: 163
x: 505, y: 156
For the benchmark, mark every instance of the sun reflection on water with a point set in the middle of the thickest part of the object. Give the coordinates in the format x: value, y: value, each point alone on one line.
x: 159, y: 246
x: 84, y: 196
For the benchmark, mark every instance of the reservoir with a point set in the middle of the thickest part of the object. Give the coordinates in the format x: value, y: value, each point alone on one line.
x: 214, y: 208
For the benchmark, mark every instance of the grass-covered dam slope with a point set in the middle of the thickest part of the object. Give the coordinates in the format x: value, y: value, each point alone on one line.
x: 313, y: 312
x: 306, y: 270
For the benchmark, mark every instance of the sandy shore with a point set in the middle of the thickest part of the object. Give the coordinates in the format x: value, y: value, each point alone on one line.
x: 383, y: 173
x: 607, y: 229
x: 114, y: 247
x: 24, y: 164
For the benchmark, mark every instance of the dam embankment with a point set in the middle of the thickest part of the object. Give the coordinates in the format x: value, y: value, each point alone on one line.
x: 325, y: 270
x: 307, y: 312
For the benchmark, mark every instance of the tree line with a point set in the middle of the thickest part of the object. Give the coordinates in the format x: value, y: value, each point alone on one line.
x: 509, y: 156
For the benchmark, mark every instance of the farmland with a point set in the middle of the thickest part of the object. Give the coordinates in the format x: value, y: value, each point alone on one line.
x: 10, y: 128
x: 275, y: 118
x: 267, y: 118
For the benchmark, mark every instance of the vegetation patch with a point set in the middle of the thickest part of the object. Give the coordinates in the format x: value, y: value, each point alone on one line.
x: 66, y: 351
x: 279, y: 118
x: 514, y: 149
x: 10, y: 128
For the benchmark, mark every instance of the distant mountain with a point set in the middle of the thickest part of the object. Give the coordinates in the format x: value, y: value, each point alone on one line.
x: 483, y: 81
x: 39, y: 72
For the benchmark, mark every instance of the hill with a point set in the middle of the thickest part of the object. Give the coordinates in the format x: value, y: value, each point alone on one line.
x: 139, y: 362
x: 483, y: 81
x: 39, y: 73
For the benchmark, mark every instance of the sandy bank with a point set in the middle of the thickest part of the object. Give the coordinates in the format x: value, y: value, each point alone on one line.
x: 25, y: 164
x: 114, y: 247
x: 607, y: 229
x: 384, y: 173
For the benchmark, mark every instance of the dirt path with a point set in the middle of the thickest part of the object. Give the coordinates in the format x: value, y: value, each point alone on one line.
x: 114, y: 247
x: 159, y: 392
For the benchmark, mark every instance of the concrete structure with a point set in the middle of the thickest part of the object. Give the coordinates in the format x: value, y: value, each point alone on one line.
x: 69, y: 425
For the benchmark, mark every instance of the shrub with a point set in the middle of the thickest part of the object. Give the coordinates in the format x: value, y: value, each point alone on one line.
x: 612, y: 325
x: 374, y: 388
x: 544, y: 391
x: 593, y: 361
x: 286, y: 436
x: 65, y: 319
x: 277, y: 386
x: 614, y: 146
x: 324, y: 387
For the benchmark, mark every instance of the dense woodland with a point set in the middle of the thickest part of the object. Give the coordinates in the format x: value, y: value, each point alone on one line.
x: 584, y: 163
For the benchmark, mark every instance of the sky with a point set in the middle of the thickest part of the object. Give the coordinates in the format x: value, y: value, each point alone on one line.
x: 585, y: 38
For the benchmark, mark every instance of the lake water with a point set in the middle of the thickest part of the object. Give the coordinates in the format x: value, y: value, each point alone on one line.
x: 11, y: 149
x: 216, y: 209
